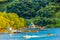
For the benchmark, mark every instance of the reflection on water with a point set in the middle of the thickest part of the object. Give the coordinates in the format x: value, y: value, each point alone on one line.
x: 19, y: 36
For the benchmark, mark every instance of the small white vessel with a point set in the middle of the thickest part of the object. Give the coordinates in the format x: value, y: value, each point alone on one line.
x: 27, y: 36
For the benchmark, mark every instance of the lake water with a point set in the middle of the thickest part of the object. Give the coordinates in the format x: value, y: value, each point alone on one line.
x: 19, y: 36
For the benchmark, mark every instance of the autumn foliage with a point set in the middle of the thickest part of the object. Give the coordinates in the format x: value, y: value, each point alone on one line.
x: 11, y: 20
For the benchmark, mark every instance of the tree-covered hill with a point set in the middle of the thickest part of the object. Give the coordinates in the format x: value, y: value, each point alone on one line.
x: 41, y: 12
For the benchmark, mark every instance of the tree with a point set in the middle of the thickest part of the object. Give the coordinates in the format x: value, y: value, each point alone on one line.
x: 11, y: 20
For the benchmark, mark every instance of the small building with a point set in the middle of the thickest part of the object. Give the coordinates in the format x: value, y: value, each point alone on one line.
x: 31, y: 25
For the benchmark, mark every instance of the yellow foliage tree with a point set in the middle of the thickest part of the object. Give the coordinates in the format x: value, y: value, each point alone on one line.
x: 11, y: 20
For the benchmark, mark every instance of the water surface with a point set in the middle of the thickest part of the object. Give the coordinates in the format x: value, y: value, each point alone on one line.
x: 19, y: 36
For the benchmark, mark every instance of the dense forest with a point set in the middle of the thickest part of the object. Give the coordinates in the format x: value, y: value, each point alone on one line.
x: 20, y: 13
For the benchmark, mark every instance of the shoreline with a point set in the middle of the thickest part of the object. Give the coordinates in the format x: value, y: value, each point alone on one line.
x: 8, y: 32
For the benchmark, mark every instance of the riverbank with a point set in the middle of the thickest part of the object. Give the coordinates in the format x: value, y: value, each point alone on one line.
x: 26, y: 30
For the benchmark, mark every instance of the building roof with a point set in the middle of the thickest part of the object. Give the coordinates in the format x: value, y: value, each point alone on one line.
x: 31, y: 24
